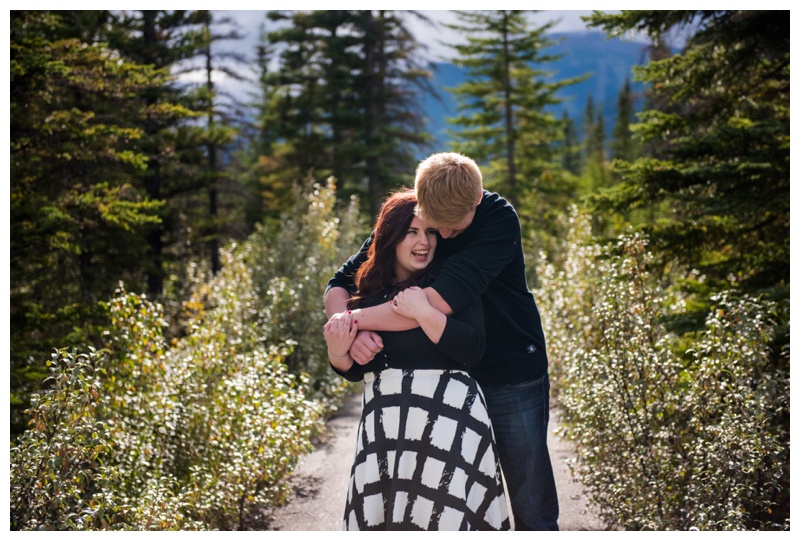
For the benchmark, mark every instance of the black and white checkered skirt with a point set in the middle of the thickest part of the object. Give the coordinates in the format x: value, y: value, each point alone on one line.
x: 425, y: 457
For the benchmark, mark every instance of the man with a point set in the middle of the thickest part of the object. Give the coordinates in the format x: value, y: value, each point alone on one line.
x: 481, y: 241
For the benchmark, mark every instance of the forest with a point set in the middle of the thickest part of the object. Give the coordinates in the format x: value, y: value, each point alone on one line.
x: 170, y: 244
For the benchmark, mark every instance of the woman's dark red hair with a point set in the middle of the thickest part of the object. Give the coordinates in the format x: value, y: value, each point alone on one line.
x: 376, y: 274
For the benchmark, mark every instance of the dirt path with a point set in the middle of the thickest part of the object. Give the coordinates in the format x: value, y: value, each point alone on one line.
x: 320, y: 481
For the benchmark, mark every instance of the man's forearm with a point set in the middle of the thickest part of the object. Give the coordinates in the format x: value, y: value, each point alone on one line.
x: 336, y: 301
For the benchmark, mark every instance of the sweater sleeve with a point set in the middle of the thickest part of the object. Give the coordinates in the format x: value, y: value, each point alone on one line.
x: 355, y: 374
x: 344, y: 276
x: 466, y: 274
x: 464, y: 338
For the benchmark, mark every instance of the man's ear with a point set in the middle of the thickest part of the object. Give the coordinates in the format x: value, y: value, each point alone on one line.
x: 480, y: 198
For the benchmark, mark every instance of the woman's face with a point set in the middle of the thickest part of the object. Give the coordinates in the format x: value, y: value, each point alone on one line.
x: 415, y: 251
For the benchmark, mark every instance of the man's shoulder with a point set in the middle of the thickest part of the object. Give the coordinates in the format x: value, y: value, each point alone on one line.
x: 493, y: 206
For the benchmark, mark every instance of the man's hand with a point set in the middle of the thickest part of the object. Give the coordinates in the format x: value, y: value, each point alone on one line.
x: 366, y: 345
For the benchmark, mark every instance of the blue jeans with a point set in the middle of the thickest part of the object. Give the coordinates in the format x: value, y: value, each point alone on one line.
x: 520, y: 414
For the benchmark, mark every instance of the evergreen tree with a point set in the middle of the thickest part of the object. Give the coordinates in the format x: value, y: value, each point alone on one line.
x: 265, y: 164
x: 570, y: 148
x: 219, y: 133
x: 165, y: 40
x: 720, y: 145
x: 597, y: 141
x: 505, y: 120
x: 502, y: 119
x: 622, y: 145
x: 597, y: 152
x: 588, y: 128
x: 298, y: 90
x: 395, y: 120
x: 79, y: 216
x: 344, y: 100
x: 595, y: 176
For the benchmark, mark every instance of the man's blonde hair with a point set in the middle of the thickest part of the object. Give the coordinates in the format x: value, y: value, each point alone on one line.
x: 448, y: 186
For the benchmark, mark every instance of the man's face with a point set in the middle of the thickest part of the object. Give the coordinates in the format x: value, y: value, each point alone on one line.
x: 455, y: 230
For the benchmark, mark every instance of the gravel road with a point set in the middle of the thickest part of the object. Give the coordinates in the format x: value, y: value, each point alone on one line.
x: 320, y: 481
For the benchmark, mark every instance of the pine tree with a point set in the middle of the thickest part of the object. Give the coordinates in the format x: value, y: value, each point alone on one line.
x: 588, y: 128
x: 344, y: 100
x: 622, y: 145
x: 78, y: 213
x: 503, y: 121
x: 597, y: 151
x: 395, y: 120
x: 218, y: 133
x: 165, y: 40
x: 570, y: 148
x: 595, y: 178
x: 719, y: 159
x: 720, y: 145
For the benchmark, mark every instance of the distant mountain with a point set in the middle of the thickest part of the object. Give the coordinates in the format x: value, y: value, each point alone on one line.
x: 608, y: 61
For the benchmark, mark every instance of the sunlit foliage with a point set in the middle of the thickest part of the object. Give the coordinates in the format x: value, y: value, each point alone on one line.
x: 201, y: 430
x: 668, y: 437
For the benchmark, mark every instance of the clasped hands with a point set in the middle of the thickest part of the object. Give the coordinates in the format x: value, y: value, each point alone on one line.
x: 342, y: 334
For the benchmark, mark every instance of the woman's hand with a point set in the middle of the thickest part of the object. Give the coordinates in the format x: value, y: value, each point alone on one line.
x: 411, y: 303
x: 339, y: 334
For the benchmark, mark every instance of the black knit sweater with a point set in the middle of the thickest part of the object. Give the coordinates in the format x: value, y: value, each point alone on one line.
x: 485, y: 262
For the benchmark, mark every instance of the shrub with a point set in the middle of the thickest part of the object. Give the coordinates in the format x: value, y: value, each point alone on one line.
x: 195, y: 432
x: 291, y: 266
x: 141, y: 438
x: 666, y: 438
x: 59, y: 479
x: 737, y: 439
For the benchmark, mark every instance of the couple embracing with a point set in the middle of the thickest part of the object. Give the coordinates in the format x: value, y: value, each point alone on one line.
x: 435, y: 316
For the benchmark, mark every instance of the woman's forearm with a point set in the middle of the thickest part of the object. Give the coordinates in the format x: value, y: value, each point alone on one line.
x: 343, y: 363
x: 382, y: 318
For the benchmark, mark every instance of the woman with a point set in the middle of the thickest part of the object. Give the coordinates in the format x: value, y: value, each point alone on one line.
x: 425, y: 456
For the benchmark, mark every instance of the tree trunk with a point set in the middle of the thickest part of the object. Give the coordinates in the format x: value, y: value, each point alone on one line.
x: 373, y: 44
x: 213, y: 233
x: 509, y: 113
x: 152, y: 181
